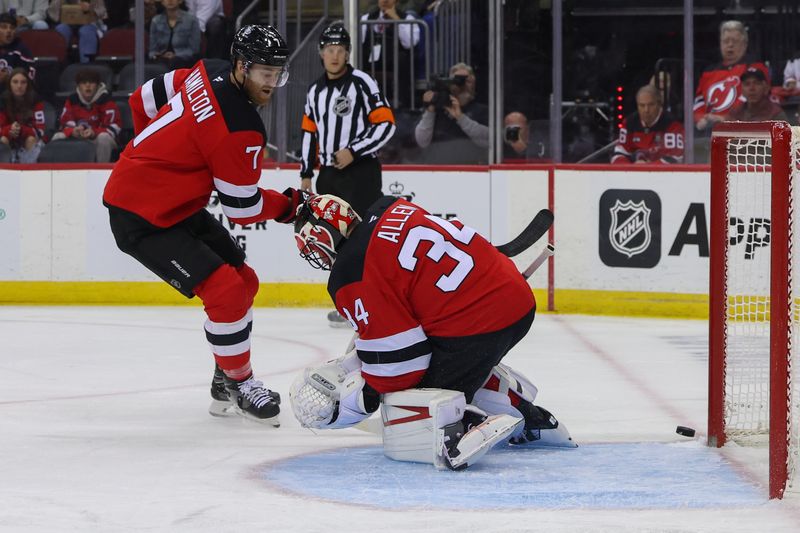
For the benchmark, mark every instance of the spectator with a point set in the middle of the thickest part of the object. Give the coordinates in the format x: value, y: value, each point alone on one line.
x: 91, y: 114
x: 211, y: 18
x: 377, y: 41
x: 89, y: 33
x: 22, y: 122
x: 719, y: 88
x: 650, y: 135
x: 517, y: 145
x: 13, y: 54
x: 175, y: 36
x: 453, y: 122
x: 757, y: 105
x: 30, y: 13
x: 791, y: 75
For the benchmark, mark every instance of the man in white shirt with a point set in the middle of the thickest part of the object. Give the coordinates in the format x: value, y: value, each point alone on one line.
x: 211, y: 18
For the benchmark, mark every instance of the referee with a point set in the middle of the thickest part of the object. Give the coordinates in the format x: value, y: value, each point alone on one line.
x: 347, y: 120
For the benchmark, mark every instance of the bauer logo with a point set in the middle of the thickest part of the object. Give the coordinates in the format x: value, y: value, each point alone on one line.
x: 630, y: 228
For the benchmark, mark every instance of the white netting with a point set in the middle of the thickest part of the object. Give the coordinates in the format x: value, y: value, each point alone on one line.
x: 747, y: 329
x: 793, y: 459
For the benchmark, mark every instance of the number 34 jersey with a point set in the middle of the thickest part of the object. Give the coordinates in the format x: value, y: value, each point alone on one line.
x: 405, y: 275
x: 195, y: 132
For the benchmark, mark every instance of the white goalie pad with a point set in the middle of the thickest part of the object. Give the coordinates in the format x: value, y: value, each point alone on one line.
x: 425, y: 426
x: 330, y: 396
x: 541, y: 429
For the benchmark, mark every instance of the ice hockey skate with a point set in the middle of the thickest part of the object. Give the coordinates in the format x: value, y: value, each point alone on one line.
x: 335, y: 320
x: 248, y: 398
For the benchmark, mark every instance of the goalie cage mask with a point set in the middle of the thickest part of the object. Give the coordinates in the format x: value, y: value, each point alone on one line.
x: 322, y: 224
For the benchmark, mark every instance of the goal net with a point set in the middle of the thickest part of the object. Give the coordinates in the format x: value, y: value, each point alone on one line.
x: 754, y: 323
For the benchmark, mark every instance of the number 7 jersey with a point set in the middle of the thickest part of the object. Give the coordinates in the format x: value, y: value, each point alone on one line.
x: 404, y: 276
x: 195, y: 132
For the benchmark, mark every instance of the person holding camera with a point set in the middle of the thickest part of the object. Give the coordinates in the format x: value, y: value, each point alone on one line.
x: 345, y: 122
x: 453, y: 121
x: 650, y: 135
x: 517, y: 144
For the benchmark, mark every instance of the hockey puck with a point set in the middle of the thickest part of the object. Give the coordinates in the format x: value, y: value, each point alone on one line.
x: 683, y: 430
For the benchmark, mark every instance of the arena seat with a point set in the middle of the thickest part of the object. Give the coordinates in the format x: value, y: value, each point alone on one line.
x: 68, y: 151
x: 127, y: 78
x: 45, y: 45
x: 66, y: 81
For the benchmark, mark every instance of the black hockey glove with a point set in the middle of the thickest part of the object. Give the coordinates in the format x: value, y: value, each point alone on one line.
x: 297, y: 198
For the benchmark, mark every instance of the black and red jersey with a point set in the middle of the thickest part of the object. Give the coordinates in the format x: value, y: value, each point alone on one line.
x: 662, y: 142
x: 101, y: 113
x: 405, y: 276
x: 32, y: 126
x: 196, y: 132
x: 720, y: 87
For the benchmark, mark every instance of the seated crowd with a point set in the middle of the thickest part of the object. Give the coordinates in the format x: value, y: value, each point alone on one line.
x: 446, y: 124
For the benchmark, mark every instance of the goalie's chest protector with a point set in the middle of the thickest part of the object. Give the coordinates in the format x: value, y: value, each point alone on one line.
x: 403, y: 268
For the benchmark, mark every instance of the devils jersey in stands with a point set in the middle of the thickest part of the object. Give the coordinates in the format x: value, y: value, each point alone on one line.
x: 101, y: 113
x: 720, y: 88
x: 195, y: 132
x: 405, y: 276
x: 32, y: 126
x: 660, y: 143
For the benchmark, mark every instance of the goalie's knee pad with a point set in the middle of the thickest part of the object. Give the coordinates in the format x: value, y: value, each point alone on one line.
x: 508, y: 392
x: 428, y: 426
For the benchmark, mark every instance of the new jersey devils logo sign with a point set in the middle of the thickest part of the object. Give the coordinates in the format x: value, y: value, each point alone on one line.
x: 342, y: 106
x: 629, y: 233
x: 722, y: 95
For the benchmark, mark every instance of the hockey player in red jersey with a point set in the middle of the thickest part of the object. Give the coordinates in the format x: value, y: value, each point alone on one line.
x: 436, y: 308
x: 196, y: 132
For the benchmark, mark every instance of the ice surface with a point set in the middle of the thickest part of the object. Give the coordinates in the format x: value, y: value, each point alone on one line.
x: 103, y: 427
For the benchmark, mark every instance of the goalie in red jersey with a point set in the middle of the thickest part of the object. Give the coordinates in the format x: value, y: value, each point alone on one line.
x: 436, y: 308
x: 196, y: 132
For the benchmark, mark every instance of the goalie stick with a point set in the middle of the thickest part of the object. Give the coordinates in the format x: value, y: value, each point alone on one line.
x: 534, y: 231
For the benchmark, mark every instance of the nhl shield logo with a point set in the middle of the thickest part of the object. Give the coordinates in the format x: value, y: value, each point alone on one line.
x: 342, y: 106
x: 629, y: 232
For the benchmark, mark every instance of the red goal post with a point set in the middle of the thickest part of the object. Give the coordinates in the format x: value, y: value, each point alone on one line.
x: 752, y: 302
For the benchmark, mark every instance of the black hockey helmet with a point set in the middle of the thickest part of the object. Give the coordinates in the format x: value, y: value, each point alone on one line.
x: 260, y: 44
x: 335, y: 33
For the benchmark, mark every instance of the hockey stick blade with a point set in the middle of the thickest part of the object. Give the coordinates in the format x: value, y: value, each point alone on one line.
x: 532, y: 233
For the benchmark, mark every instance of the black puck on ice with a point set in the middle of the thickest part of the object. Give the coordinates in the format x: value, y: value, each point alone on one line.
x: 683, y: 430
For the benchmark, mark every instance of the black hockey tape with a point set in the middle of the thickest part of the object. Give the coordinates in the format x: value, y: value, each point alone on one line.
x: 532, y: 233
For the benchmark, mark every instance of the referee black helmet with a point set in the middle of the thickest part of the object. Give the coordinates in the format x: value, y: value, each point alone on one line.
x: 335, y: 34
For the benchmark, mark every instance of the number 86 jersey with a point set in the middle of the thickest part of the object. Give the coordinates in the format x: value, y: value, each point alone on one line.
x: 195, y: 132
x: 405, y: 276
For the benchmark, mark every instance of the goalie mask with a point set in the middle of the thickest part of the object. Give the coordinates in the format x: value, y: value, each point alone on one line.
x: 322, y: 224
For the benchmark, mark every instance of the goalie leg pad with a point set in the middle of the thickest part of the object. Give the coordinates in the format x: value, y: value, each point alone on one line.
x: 508, y: 392
x: 427, y: 426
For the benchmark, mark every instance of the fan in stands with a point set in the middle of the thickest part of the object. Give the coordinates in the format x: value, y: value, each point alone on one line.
x: 198, y: 131
x: 436, y: 308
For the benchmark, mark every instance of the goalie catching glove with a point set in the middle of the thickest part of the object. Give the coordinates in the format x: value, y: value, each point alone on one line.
x: 333, y: 395
x: 297, y: 198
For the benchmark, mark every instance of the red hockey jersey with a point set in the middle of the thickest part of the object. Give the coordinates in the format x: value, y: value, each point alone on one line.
x: 660, y: 143
x: 720, y: 88
x: 102, y: 114
x: 32, y: 127
x: 405, y: 275
x: 204, y: 135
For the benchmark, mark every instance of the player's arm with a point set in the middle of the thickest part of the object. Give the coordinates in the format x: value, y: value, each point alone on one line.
x: 381, y: 120
x: 624, y: 149
x: 150, y: 97
x: 67, y: 119
x: 110, y: 120
x: 39, y: 124
x: 699, y: 110
x: 672, y: 144
x: 236, y: 165
x: 393, y: 348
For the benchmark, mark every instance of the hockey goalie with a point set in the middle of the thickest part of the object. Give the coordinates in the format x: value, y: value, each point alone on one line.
x: 436, y: 307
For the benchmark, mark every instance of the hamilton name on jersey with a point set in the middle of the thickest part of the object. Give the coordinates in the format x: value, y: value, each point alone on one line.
x: 197, y: 93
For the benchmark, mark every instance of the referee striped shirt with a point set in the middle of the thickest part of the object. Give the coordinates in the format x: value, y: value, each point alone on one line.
x: 348, y: 112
